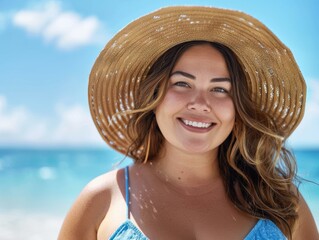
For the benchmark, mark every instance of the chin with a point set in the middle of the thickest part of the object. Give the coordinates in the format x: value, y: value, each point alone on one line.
x: 193, y: 149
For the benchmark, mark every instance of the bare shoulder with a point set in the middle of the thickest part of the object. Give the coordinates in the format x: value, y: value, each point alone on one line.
x: 305, y: 227
x: 89, y: 209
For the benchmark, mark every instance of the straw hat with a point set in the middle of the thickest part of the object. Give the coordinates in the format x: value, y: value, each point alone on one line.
x: 275, y: 81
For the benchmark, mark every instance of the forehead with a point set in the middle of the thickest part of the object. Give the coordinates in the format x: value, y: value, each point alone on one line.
x: 200, y: 58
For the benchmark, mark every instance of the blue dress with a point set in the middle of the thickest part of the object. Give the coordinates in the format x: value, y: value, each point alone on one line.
x: 263, y: 230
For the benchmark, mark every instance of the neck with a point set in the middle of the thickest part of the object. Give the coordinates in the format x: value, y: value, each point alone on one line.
x: 188, y: 173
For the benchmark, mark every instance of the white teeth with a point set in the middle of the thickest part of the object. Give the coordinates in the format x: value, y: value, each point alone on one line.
x: 196, y: 124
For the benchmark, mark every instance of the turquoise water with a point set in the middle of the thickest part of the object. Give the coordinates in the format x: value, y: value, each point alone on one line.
x: 37, y: 187
x: 38, y: 179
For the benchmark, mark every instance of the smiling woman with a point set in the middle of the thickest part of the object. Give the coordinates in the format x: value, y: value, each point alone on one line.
x: 203, y: 100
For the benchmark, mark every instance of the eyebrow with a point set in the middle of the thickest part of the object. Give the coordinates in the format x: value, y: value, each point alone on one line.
x: 190, y: 76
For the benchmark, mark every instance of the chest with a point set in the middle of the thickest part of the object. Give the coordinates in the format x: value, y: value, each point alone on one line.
x: 167, y: 215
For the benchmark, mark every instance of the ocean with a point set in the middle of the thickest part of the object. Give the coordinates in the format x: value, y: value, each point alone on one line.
x: 37, y: 187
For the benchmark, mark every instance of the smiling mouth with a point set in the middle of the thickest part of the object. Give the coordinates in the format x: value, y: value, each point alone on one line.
x: 196, y: 124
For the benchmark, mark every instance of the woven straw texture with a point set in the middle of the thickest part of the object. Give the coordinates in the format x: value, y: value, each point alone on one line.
x: 275, y: 81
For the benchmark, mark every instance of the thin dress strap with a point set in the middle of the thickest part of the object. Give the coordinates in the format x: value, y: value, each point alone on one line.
x: 127, y: 190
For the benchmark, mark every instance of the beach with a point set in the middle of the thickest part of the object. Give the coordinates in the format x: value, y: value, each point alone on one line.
x: 16, y: 225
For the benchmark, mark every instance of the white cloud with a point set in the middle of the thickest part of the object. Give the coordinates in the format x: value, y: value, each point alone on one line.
x: 306, y: 135
x: 14, y: 121
x: 35, y: 20
x: 66, y: 29
x: 73, y: 127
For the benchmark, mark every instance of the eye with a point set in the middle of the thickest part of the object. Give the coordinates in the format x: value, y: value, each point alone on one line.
x: 220, y: 90
x: 181, y: 84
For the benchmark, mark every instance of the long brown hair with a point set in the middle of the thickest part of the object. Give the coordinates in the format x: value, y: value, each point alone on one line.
x: 257, y: 170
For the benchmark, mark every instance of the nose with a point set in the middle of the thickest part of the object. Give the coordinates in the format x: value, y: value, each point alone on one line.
x: 199, y: 103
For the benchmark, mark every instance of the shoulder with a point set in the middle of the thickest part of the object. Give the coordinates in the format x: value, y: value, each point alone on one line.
x: 102, y: 185
x: 305, y: 226
x: 89, y: 209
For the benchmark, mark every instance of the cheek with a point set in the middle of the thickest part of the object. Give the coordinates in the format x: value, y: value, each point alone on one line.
x: 166, y: 110
x: 226, y: 109
x: 172, y: 100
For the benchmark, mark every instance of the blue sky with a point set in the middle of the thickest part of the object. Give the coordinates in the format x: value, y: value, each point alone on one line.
x: 48, y: 48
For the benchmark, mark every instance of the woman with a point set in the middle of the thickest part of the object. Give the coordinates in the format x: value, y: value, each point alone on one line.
x: 202, y: 99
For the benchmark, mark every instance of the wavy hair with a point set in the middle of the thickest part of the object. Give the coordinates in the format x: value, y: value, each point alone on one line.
x: 257, y: 170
